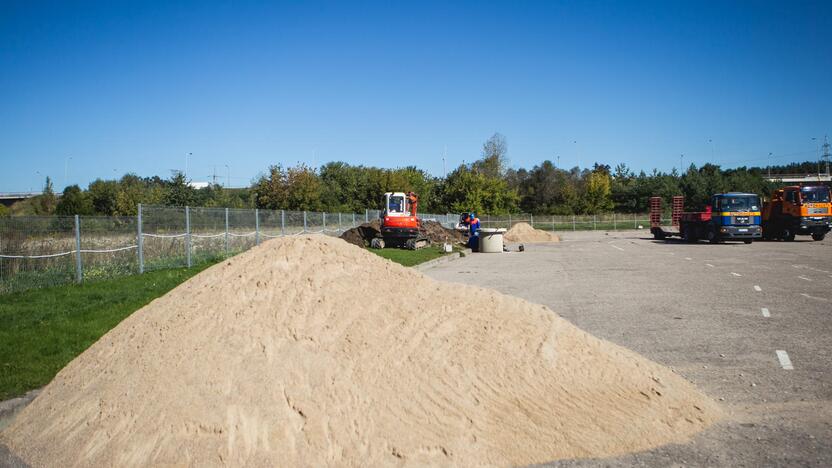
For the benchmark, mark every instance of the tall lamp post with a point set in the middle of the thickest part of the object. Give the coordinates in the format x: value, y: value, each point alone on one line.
x: 66, y: 169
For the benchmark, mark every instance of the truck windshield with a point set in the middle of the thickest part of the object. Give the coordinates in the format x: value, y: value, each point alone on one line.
x: 740, y: 204
x: 815, y: 195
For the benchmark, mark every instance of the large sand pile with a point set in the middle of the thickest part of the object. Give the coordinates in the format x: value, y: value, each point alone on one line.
x: 523, y: 232
x: 308, y: 351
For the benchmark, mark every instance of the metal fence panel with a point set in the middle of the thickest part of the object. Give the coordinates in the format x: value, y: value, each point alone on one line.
x: 36, y: 252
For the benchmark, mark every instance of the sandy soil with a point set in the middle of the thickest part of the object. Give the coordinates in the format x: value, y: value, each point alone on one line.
x: 523, y: 232
x: 309, y: 351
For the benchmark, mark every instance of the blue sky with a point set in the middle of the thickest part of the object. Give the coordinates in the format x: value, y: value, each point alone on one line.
x: 135, y: 86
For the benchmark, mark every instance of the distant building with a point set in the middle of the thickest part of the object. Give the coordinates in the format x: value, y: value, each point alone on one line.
x: 199, y: 185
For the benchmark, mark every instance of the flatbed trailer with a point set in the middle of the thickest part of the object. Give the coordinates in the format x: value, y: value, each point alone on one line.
x: 730, y: 216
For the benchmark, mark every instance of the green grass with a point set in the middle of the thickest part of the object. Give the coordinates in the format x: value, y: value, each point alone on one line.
x: 41, y: 330
x: 409, y: 257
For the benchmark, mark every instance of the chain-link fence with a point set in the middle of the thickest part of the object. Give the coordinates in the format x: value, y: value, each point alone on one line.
x: 50, y: 250
x: 605, y: 222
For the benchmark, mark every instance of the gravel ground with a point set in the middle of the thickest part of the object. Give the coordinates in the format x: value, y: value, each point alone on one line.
x: 695, y: 309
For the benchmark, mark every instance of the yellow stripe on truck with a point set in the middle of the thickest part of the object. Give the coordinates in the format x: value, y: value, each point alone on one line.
x: 739, y: 213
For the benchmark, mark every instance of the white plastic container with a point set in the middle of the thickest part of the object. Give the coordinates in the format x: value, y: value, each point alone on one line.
x: 491, y: 240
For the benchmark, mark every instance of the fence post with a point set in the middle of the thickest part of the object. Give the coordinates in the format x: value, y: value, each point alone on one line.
x: 635, y: 222
x: 304, y: 221
x: 614, y: 228
x: 353, y: 220
x: 531, y: 219
x: 226, y: 232
x: 188, y: 235
x: 594, y: 219
x: 256, y: 226
x: 553, y: 223
x: 140, y: 239
x: 339, y: 221
x: 79, y: 274
x: 282, y: 223
x: 324, y: 222
x: 573, y: 222
x: 366, y: 215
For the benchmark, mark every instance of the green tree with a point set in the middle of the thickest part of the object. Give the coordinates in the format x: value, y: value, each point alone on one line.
x: 494, y: 162
x: 303, y: 188
x: 4, y: 211
x: 103, y: 195
x: 179, y: 192
x: 270, y: 190
x: 598, y: 192
x: 469, y: 190
x: 47, y: 200
x: 74, y: 202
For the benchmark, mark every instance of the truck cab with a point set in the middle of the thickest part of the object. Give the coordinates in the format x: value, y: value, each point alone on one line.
x: 736, y: 216
x: 798, y: 210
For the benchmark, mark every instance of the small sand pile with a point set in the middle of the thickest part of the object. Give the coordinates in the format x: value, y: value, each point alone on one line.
x: 308, y: 351
x: 433, y: 230
x: 523, y: 232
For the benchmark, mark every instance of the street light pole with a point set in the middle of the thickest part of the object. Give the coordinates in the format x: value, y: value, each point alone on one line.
x: 228, y: 176
x: 186, y: 164
x: 66, y: 169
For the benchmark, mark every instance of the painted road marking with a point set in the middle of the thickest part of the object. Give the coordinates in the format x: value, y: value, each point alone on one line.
x: 757, y: 288
x: 804, y: 278
x: 709, y: 265
x: 783, y: 357
x: 735, y: 274
x: 616, y: 247
x: 688, y: 258
x: 813, y: 297
x: 766, y: 313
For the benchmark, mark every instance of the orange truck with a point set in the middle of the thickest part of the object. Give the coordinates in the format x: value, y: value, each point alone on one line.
x: 797, y: 210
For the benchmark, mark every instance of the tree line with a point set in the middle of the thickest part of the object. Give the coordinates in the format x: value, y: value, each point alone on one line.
x: 487, y: 185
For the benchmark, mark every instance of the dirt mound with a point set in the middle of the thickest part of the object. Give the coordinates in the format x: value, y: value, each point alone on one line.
x: 433, y: 230
x: 362, y: 234
x: 523, y: 232
x: 291, y: 354
x: 438, y: 234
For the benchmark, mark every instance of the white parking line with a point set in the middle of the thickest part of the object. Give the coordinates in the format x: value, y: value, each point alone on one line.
x: 688, y: 258
x: 804, y: 278
x: 766, y: 313
x: 709, y: 265
x: 813, y: 297
x: 616, y: 247
x: 757, y: 288
x: 735, y: 274
x: 785, y: 362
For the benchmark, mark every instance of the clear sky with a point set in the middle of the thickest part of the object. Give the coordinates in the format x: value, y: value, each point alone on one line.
x: 135, y: 86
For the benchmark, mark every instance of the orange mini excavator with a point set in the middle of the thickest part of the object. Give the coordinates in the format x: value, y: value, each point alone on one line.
x: 400, y: 225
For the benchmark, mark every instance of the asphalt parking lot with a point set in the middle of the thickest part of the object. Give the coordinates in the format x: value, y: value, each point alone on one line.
x: 750, y: 325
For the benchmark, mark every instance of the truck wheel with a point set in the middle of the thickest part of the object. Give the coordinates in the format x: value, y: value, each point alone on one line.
x: 747, y: 241
x: 788, y: 235
x: 377, y: 243
x: 712, y: 237
x: 410, y: 244
x: 818, y: 236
